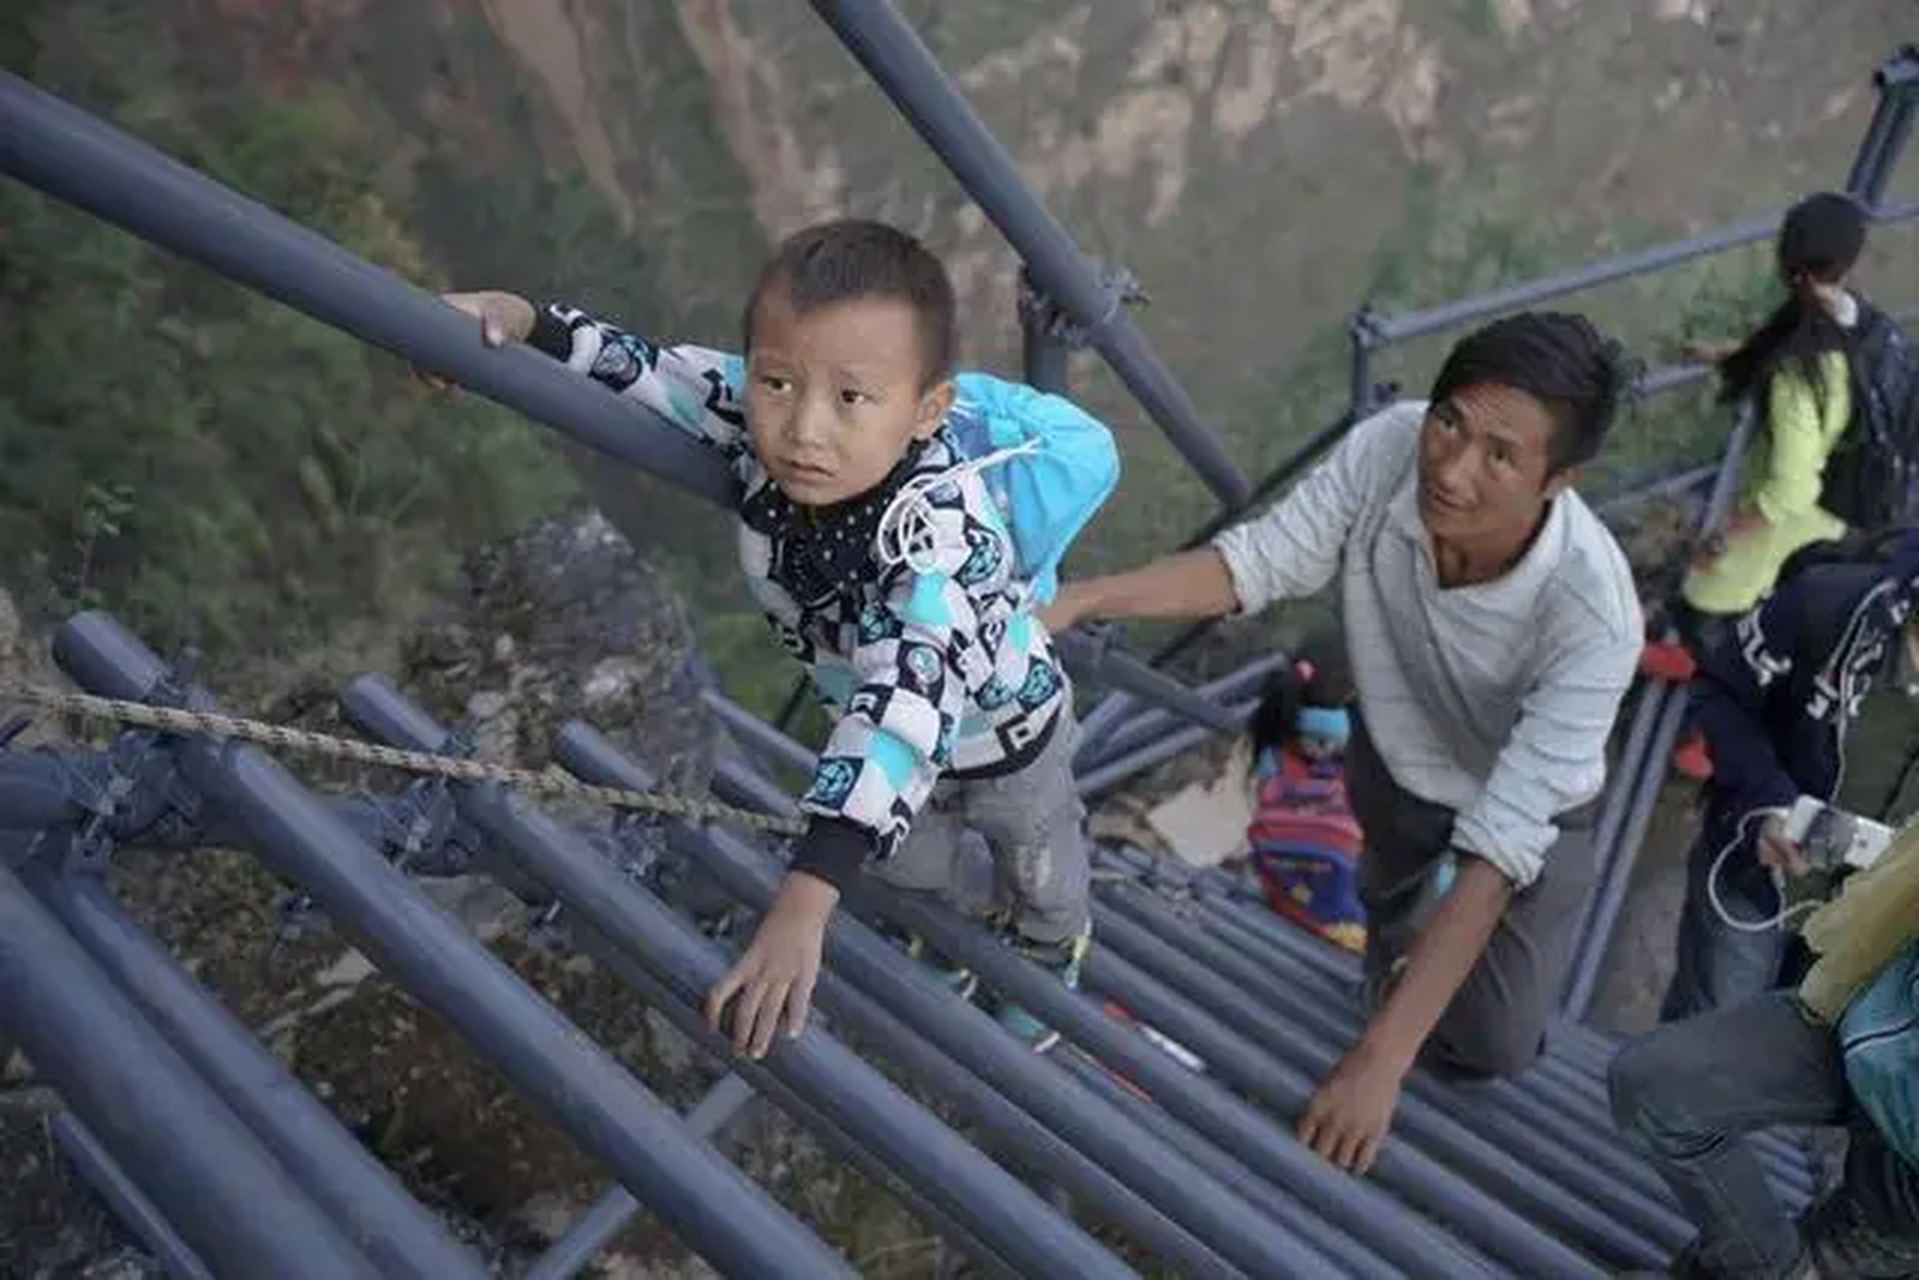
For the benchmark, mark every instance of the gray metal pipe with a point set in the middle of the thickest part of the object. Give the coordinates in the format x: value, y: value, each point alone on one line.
x: 945, y: 1169
x: 1617, y: 803
x: 838, y: 1141
x: 1038, y: 1148
x: 1889, y: 128
x: 1571, y: 1046
x: 50, y: 144
x: 1095, y: 659
x: 721, y: 1214
x: 356, y: 1191
x: 206, y: 1175
x: 1488, y: 1196
x: 129, y: 1204
x: 1103, y: 778
x: 758, y: 736
x: 1526, y: 1113
x: 1417, y: 324
x: 1646, y: 777
x: 36, y: 792
x: 1610, y: 897
x: 1239, y: 1129
x: 1112, y: 711
x: 738, y: 784
x: 1232, y: 690
x: 904, y: 68
x: 1528, y: 1173
x: 970, y: 1037
x: 611, y: 1213
x: 1046, y: 352
x: 1351, y: 1253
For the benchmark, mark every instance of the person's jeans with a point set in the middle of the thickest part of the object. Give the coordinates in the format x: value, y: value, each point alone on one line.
x: 1718, y: 966
x: 1687, y: 1093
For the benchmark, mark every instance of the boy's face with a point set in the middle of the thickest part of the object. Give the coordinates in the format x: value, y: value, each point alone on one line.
x: 836, y: 395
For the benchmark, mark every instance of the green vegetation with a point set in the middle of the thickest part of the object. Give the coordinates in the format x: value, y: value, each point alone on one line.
x: 218, y: 468
x: 221, y: 471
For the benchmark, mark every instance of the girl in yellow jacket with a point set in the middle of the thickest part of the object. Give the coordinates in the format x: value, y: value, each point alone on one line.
x: 1795, y: 371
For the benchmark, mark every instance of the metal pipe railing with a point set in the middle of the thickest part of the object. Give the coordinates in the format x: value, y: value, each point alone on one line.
x: 1350, y: 1252
x: 136, y: 1212
x: 892, y: 53
x: 610, y: 1214
x: 1423, y: 1178
x: 1093, y: 657
x: 1122, y: 913
x: 1554, y: 1175
x: 756, y: 735
x: 221, y: 1191
x: 1891, y: 124
x: 368, y: 1204
x: 1234, y: 690
x: 1646, y: 778
x: 1192, y: 1006
x: 50, y: 144
x: 945, y: 1169
x: 840, y: 1142
x: 1246, y: 1132
x: 921, y: 1005
x: 1389, y: 330
x: 721, y: 1214
x: 1103, y: 778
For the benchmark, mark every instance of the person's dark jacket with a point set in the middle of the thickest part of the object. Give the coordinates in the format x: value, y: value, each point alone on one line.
x: 1777, y: 699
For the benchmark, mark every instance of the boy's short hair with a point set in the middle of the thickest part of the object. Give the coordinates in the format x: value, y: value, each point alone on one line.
x: 1557, y: 358
x: 852, y: 259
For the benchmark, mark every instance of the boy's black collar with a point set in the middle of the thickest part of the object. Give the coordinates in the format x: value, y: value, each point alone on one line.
x: 821, y: 551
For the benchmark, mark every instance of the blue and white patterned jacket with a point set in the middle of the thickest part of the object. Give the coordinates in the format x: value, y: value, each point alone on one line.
x: 942, y: 673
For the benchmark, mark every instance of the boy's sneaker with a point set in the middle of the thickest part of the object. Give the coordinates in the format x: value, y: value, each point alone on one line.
x: 1063, y: 961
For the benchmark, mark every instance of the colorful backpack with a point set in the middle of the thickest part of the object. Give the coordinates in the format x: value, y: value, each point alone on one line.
x: 1305, y: 845
x: 1048, y: 464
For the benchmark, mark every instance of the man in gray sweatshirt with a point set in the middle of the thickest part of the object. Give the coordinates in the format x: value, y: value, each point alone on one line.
x: 1493, y: 628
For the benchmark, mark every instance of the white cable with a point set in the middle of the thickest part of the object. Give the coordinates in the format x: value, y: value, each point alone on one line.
x: 1777, y: 919
x: 907, y: 534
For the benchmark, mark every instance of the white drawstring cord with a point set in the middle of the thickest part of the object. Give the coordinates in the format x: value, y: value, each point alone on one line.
x: 1774, y: 921
x: 907, y: 534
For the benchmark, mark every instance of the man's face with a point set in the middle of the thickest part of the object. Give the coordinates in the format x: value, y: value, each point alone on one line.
x: 835, y: 396
x: 1485, y: 466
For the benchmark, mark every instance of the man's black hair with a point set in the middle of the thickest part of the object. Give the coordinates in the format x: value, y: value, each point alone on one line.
x: 853, y: 259
x: 1557, y: 358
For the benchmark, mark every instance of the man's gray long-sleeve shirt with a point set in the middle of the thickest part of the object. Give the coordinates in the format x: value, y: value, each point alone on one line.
x: 1495, y: 699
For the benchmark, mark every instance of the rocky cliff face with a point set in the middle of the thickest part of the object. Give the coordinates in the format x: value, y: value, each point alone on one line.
x: 564, y: 621
x: 1264, y: 166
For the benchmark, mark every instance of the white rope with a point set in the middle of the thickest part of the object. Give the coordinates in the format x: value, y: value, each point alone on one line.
x: 1778, y: 918
x: 907, y: 533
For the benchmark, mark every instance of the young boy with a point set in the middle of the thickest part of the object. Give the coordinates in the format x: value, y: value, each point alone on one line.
x: 951, y: 710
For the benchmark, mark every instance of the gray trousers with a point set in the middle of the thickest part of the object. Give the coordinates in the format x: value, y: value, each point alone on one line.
x: 1496, y: 1023
x: 1033, y: 824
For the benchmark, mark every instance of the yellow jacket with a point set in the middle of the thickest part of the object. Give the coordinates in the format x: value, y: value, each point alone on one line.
x: 1858, y: 933
x: 1783, y: 477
